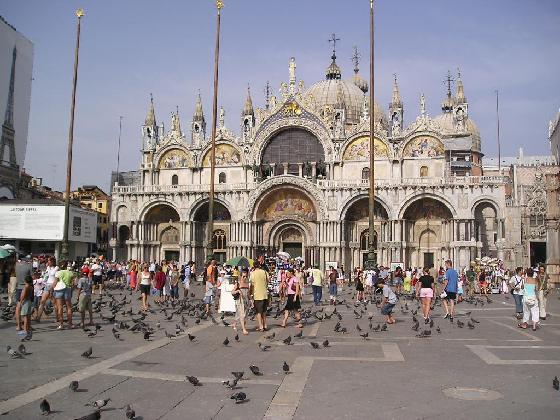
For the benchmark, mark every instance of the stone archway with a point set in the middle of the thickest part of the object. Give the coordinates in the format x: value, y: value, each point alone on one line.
x: 222, y: 221
x: 428, y: 232
x: 486, y: 228
x: 160, y: 233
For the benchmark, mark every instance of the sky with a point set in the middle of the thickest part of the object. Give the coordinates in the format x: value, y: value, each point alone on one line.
x: 131, y: 48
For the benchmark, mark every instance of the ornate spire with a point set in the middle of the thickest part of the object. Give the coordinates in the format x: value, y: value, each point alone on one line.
x: 175, y: 123
x: 151, y: 117
x: 357, y: 79
x: 447, y: 104
x: 461, y: 99
x: 333, y: 71
x: 396, y: 101
x: 198, y: 111
x: 9, y: 116
x: 248, y: 108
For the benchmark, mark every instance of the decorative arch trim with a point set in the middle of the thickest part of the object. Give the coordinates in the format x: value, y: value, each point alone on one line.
x: 205, y: 153
x: 273, y: 232
x: 415, y: 197
x: 354, y: 199
x: 148, y: 206
x: 201, y: 201
x: 160, y: 154
x: 487, y: 200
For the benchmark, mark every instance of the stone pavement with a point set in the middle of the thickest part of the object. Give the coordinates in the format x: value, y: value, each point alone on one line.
x: 492, y: 372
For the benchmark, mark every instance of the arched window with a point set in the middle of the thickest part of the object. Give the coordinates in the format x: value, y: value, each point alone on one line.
x: 219, y: 241
x: 222, y: 178
x: 364, y: 240
x: 174, y: 180
x: 423, y: 172
x: 365, y: 174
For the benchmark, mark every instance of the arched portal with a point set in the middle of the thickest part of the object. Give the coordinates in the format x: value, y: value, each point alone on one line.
x: 486, y: 228
x: 427, y: 232
x: 160, y: 234
x: 222, y: 221
x: 356, y: 233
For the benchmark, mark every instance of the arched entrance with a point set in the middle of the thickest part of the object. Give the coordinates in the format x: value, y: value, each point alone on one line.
x: 427, y: 232
x: 291, y: 239
x: 160, y: 233
x: 356, y: 233
x: 486, y: 228
x: 123, y: 235
x: 222, y: 220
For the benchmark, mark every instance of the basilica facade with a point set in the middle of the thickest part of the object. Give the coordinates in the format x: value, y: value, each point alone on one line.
x: 296, y: 179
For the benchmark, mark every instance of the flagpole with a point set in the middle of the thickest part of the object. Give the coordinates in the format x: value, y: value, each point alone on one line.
x: 210, y: 226
x: 371, y: 245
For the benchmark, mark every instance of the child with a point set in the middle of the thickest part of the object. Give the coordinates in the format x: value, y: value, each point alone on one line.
x: 26, y: 306
x: 460, y: 288
x: 389, y: 301
x: 359, y: 288
x: 38, y: 286
x: 85, y: 284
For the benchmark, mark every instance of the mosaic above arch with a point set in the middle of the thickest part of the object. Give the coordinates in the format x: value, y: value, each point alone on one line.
x: 226, y: 154
x: 286, y: 202
x: 423, y: 146
x: 358, y: 149
x: 175, y: 158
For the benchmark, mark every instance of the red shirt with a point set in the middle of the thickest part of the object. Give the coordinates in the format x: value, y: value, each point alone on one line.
x: 160, y: 280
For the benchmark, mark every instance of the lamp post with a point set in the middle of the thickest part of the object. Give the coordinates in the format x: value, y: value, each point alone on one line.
x: 371, y: 245
x: 64, y: 248
x: 210, y: 226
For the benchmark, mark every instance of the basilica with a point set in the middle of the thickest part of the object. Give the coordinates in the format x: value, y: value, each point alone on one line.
x: 296, y: 179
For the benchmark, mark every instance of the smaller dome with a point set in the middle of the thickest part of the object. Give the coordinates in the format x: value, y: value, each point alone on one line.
x: 447, y: 124
x: 333, y: 71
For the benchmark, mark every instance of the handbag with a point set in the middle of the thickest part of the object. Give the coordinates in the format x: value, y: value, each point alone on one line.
x: 443, y: 295
x: 530, y: 300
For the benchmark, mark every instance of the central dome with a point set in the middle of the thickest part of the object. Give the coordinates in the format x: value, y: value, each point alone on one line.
x: 328, y: 93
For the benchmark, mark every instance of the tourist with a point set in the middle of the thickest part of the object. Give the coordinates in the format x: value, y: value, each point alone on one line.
x: 187, y: 280
x: 23, y: 269
x: 293, y: 298
x: 407, y: 282
x: 50, y: 272
x: 398, y: 280
x: 62, y: 287
x: 240, y: 294
x: 85, y: 286
x: 504, y: 288
x: 317, y: 285
x: 333, y: 278
x: 259, y: 294
x: 12, y: 284
x: 38, y: 287
x: 450, y: 286
x: 208, y: 293
x: 360, y: 287
x: 145, y: 284
x: 174, y: 283
x: 227, y: 302
x: 159, y: 284
x: 301, y: 279
x: 516, y: 284
x: 471, y: 280
x: 26, y: 306
x: 426, y: 292
x: 389, y: 301
x: 530, y: 302
x: 460, y: 287
x: 544, y: 286
x: 97, y: 269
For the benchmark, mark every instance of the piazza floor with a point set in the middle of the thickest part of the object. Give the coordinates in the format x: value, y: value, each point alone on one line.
x: 492, y: 372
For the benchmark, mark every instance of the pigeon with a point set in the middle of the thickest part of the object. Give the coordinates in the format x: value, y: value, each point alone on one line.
x: 438, y: 329
x: 364, y: 336
x: 326, y: 343
x: 238, y: 375
x: 271, y: 336
x: 556, y: 383
x: 191, y: 337
x: 255, y: 369
x: 415, y: 326
x: 147, y: 335
x: 87, y: 354
x: 226, y: 342
x: 264, y: 348
x: 14, y: 354
x: 45, y: 407
x: 239, y: 397
x: 236, y: 338
x: 193, y: 380
x: 91, y: 416
x: 130, y: 413
x: 358, y: 327
x: 74, y: 385
x: 431, y: 323
x: 377, y: 328
x: 299, y: 334
x: 427, y: 332
x: 22, y: 350
x: 460, y: 324
x: 384, y: 327
x: 231, y: 384
x: 475, y: 321
x: 226, y: 324
x: 286, y: 368
x: 471, y: 325
x: 116, y: 334
x: 100, y: 403
x: 314, y: 345
x: 287, y: 340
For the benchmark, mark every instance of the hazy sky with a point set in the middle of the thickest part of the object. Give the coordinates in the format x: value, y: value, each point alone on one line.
x: 133, y: 47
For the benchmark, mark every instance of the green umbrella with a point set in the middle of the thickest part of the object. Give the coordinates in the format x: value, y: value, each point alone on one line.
x: 239, y: 262
x: 4, y: 253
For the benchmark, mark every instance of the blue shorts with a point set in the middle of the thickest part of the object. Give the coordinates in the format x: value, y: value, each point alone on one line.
x: 65, y: 294
x: 18, y: 294
x: 388, y: 308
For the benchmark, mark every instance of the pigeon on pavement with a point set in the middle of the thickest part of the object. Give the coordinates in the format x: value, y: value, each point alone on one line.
x: 193, y: 380
x: 255, y: 369
x: 239, y: 397
x: 556, y: 383
x: 73, y: 386
x: 45, y: 407
x: 130, y: 413
x: 286, y: 368
x: 14, y: 354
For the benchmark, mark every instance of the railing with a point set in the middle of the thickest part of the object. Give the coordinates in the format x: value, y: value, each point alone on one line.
x: 321, y: 183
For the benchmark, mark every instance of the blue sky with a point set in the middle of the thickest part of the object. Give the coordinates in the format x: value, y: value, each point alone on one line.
x: 131, y: 48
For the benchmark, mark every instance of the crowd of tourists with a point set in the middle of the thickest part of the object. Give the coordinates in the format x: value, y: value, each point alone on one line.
x: 40, y: 286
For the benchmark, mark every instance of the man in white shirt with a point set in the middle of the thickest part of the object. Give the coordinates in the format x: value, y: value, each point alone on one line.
x: 97, y: 269
x: 516, y: 284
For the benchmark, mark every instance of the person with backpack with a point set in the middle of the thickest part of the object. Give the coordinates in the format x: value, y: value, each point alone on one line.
x: 516, y: 289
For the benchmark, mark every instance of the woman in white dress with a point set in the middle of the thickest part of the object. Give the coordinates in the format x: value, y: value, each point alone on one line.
x: 227, y: 303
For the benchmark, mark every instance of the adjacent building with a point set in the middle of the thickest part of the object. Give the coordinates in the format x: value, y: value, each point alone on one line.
x: 94, y: 198
x: 16, y: 71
